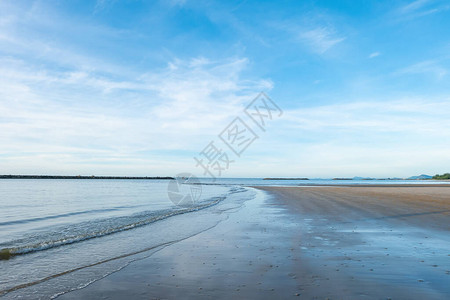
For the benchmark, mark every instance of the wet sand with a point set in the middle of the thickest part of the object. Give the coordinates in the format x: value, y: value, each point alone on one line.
x: 308, y: 242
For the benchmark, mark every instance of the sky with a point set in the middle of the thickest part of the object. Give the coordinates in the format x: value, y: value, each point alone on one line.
x: 141, y: 88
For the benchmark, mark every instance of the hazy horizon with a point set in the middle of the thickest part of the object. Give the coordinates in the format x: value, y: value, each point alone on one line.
x: 223, y: 177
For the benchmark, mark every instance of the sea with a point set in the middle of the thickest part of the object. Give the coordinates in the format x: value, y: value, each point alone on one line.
x: 60, y: 235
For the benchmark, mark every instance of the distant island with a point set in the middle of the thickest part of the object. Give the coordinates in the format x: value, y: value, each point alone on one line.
x: 428, y: 177
x: 441, y: 177
x: 420, y: 177
x: 79, y: 177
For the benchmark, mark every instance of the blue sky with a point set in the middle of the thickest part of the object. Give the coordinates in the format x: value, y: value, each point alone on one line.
x: 141, y: 87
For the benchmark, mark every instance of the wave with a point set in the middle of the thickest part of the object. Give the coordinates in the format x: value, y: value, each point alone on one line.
x: 93, y: 229
x: 23, y: 221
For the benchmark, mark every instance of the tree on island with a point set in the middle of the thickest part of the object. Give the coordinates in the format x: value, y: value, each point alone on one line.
x: 443, y: 176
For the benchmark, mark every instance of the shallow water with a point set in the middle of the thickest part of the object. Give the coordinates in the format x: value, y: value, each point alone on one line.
x: 53, y: 227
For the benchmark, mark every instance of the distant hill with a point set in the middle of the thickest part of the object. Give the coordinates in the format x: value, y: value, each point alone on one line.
x: 443, y: 176
x: 420, y: 177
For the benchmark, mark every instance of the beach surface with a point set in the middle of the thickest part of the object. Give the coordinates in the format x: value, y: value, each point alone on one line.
x: 347, y: 242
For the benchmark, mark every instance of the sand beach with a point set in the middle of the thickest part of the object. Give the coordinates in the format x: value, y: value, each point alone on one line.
x: 352, y: 242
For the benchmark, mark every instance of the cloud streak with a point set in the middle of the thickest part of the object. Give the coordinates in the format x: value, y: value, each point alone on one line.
x: 422, y: 8
x: 429, y: 67
x: 320, y: 39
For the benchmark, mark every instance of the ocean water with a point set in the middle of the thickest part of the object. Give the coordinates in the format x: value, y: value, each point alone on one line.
x: 56, y: 228
x: 61, y: 235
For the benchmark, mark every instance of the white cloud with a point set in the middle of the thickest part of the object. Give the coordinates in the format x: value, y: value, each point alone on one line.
x: 414, y: 116
x: 64, y: 109
x: 413, y: 6
x: 90, y: 124
x: 369, y: 138
x: 426, y: 67
x: 374, y: 54
x: 320, y: 39
x: 82, y: 120
x: 421, y: 8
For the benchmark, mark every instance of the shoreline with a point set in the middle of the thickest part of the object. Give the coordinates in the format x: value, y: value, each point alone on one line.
x: 335, y: 242
x: 82, y: 177
x: 446, y: 185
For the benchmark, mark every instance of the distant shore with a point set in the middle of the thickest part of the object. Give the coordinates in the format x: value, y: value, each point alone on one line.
x: 281, y: 178
x: 172, y: 178
x: 357, y: 178
x: 79, y: 177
